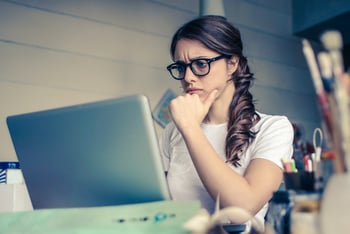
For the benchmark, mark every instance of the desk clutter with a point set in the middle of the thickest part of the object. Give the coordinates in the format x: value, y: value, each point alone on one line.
x: 293, y: 212
x: 332, y: 86
x: 316, y: 190
x: 298, y: 206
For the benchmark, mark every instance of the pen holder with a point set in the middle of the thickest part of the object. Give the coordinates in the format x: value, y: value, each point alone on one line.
x: 299, y: 181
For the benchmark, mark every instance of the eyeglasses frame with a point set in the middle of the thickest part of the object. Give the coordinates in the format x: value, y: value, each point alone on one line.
x: 208, y: 60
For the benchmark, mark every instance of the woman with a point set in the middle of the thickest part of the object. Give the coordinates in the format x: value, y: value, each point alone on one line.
x: 217, y: 143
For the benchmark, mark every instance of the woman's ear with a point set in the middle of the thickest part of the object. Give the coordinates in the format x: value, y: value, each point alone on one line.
x: 232, y: 64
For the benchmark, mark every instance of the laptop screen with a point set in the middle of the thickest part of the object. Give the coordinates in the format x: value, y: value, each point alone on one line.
x: 93, y: 154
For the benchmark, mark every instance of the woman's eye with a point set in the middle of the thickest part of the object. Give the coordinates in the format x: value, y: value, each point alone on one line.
x: 200, y: 63
x: 180, y: 68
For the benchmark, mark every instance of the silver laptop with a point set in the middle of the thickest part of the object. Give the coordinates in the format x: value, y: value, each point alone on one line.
x: 93, y: 154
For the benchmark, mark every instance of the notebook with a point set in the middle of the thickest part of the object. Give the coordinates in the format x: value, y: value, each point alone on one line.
x: 93, y: 154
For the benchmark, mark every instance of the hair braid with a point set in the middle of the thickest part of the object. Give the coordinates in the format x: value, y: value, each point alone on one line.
x: 242, y: 115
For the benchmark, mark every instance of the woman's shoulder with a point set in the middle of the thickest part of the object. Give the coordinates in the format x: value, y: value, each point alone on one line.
x: 273, y: 121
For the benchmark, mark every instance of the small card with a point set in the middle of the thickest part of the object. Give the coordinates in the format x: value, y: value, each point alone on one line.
x: 161, y: 112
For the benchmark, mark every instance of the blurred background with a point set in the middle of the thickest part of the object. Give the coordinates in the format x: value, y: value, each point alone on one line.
x: 58, y: 53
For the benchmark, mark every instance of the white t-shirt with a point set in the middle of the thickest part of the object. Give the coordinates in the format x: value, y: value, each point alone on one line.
x: 273, y: 142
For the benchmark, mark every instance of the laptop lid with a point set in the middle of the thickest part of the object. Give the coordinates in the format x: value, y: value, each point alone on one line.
x: 93, y: 154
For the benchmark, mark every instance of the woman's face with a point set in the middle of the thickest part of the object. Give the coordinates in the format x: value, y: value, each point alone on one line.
x: 220, y: 71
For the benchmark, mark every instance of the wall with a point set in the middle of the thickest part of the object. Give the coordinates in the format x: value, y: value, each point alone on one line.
x: 312, y: 18
x: 57, y: 53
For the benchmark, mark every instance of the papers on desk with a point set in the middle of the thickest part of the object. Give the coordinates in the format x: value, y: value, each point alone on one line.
x: 153, y: 217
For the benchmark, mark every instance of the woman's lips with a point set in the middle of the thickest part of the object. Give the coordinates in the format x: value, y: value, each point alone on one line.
x: 193, y: 91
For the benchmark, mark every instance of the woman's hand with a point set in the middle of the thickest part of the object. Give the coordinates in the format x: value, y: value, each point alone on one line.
x: 188, y: 110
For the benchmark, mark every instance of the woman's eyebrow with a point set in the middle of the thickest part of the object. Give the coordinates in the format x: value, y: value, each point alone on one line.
x: 191, y: 59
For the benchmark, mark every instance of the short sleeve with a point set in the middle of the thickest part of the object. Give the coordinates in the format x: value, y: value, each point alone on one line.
x: 274, y: 140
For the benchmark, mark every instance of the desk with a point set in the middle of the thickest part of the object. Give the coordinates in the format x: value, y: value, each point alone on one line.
x: 153, y: 217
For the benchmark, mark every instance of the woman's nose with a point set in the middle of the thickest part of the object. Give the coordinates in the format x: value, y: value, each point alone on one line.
x: 189, y: 75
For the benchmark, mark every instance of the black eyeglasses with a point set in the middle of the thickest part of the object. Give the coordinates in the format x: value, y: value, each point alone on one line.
x: 199, y: 67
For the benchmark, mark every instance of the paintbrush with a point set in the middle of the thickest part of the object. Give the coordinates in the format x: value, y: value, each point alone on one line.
x: 332, y: 41
x: 326, y: 68
x: 325, y: 63
x: 317, y: 81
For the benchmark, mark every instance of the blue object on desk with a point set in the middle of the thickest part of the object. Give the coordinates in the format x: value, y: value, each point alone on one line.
x: 234, y: 228
x: 7, y: 165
